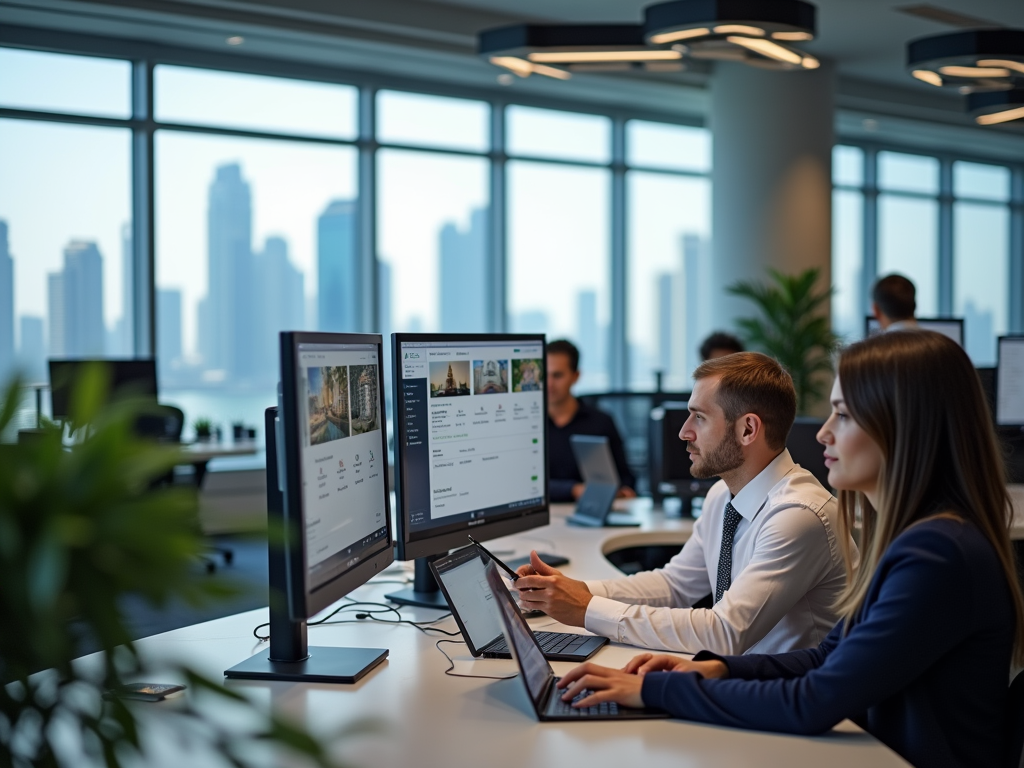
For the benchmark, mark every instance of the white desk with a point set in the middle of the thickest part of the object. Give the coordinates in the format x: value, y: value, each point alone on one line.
x: 434, y: 720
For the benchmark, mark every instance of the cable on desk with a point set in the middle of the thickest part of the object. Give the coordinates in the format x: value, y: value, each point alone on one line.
x: 451, y: 663
x: 350, y: 604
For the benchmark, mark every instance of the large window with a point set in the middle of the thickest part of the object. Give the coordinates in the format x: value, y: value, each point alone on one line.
x: 943, y: 222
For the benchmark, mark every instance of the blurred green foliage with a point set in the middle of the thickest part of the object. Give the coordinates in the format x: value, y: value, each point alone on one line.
x: 81, y: 528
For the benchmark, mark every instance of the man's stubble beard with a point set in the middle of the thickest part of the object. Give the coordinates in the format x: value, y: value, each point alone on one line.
x: 724, y: 457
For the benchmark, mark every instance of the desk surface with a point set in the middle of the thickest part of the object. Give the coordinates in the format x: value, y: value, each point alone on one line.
x: 207, y: 450
x: 435, y: 720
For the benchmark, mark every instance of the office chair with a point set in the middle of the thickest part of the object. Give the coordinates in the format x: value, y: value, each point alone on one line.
x: 1015, y: 724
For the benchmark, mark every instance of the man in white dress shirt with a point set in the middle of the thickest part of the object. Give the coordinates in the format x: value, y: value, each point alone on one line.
x: 765, y: 546
x: 894, y: 302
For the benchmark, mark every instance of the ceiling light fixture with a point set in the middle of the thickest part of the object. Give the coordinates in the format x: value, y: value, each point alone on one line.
x: 994, y: 107
x: 974, y: 61
x: 235, y: 40
x: 525, y: 68
x: 736, y: 30
x: 575, y: 57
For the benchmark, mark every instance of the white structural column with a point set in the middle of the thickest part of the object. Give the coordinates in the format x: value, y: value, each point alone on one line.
x: 772, y: 199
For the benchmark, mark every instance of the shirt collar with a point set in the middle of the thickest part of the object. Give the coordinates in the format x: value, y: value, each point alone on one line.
x: 902, y: 325
x: 750, y: 499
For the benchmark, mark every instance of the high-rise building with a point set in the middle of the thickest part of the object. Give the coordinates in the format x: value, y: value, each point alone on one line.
x: 168, y: 329
x: 665, y: 332
x: 55, y: 313
x: 695, y: 271
x: 231, y: 308
x: 463, y: 276
x: 588, y: 333
x: 281, y: 299
x: 123, y: 337
x: 31, y: 348
x: 6, y: 306
x: 84, y: 332
x: 339, y: 276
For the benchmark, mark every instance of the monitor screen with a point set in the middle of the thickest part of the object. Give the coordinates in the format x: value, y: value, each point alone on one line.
x: 1010, y: 382
x: 471, y: 419
x: 343, y: 459
x: 953, y: 327
x: 128, y: 378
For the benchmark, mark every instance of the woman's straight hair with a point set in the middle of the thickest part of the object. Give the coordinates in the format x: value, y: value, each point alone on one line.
x: 919, y: 398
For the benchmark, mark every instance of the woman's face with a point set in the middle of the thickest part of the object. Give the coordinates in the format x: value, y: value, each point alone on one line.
x: 853, y: 459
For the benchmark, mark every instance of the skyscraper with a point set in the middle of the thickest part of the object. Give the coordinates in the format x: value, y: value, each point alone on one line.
x: 55, y: 313
x: 84, y: 332
x: 31, y: 350
x: 665, y: 333
x: 6, y: 305
x: 694, y: 252
x: 230, y: 309
x: 463, y: 276
x: 168, y: 329
x: 124, y: 328
x: 281, y: 300
x: 588, y: 333
x: 338, y: 273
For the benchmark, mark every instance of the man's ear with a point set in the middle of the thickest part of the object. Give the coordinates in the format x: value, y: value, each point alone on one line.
x: 749, y: 428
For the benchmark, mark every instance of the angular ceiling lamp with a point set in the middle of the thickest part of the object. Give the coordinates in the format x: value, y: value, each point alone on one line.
x: 557, y: 50
x: 987, y: 65
x: 756, y: 32
x: 975, y: 60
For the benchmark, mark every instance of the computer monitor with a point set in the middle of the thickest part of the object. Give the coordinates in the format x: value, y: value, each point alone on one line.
x: 669, y: 460
x: 128, y: 378
x: 1010, y: 382
x: 953, y: 327
x: 470, y: 447
x: 805, y: 449
x: 327, y: 492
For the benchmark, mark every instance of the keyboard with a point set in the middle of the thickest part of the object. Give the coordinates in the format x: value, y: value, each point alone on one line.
x: 560, y: 708
x: 550, y: 642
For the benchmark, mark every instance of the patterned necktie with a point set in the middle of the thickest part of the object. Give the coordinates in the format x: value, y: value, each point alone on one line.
x: 732, y: 520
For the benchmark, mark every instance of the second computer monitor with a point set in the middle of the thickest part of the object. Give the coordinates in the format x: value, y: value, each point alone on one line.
x: 951, y: 327
x: 470, y: 444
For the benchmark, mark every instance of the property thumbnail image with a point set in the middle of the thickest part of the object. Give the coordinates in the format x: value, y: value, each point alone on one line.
x: 490, y: 377
x: 365, y: 398
x: 449, y: 378
x: 328, y: 404
x: 527, y: 375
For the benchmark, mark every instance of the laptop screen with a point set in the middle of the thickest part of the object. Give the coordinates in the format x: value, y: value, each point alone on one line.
x: 533, y: 667
x: 465, y: 585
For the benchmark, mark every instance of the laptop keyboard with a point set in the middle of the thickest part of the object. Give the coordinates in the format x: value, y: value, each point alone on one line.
x: 565, y: 709
x: 550, y: 642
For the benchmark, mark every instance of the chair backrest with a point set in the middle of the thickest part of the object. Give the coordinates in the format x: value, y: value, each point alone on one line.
x: 1014, y: 746
x: 163, y: 424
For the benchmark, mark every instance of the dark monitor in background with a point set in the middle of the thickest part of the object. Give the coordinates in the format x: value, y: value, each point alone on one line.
x: 805, y: 449
x: 953, y: 327
x: 470, y: 446
x: 1010, y: 382
x: 669, y: 461
x: 128, y: 378
x: 327, y: 491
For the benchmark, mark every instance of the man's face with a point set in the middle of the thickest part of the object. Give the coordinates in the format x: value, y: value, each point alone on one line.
x: 710, y: 437
x: 561, y: 378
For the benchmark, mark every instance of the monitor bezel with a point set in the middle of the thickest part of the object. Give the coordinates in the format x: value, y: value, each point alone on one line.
x: 868, y: 319
x: 999, y: 360
x: 519, y: 521
x: 81, y: 362
x: 304, y: 603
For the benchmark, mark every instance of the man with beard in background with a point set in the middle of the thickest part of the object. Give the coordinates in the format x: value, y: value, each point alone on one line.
x: 761, y: 571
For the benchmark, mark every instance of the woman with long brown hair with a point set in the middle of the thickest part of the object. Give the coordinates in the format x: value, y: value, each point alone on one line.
x: 932, y: 620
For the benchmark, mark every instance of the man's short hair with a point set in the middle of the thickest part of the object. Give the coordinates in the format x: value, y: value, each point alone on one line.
x: 720, y: 340
x: 752, y: 382
x: 567, y: 348
x: 895, y: 297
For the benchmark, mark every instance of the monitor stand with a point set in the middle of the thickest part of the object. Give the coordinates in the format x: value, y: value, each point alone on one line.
x: 425, y: 592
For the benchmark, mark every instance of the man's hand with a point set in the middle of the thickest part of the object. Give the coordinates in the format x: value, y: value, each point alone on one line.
x: 544, y: 588
x: 605, y: 683
x: 625, y: 492
x: 578, y: 490
x: 649, y: 662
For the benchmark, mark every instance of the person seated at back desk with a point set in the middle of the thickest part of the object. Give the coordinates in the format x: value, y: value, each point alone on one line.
x: 567, y: 416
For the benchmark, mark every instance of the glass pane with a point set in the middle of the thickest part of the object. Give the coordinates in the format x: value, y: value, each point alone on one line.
x: 254, y: 102
x: 985, y: 182
x: 669, y: 253
x: 55, y: 82
x: 908, y: 173
x: 561, y: 135
x: 241, y: 241
x: 413, y: 118
x: 661, y: 145
x: 558, y: 263
x: 981, y: 266
x: 65, y: 203
x: 907, y: 244
x: 847, y: 166
x: 848, y: 304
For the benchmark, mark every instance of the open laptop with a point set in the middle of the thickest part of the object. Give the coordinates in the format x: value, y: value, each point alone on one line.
x: 597, y: 465
x: 535, y: 672
x: 462, y: 579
